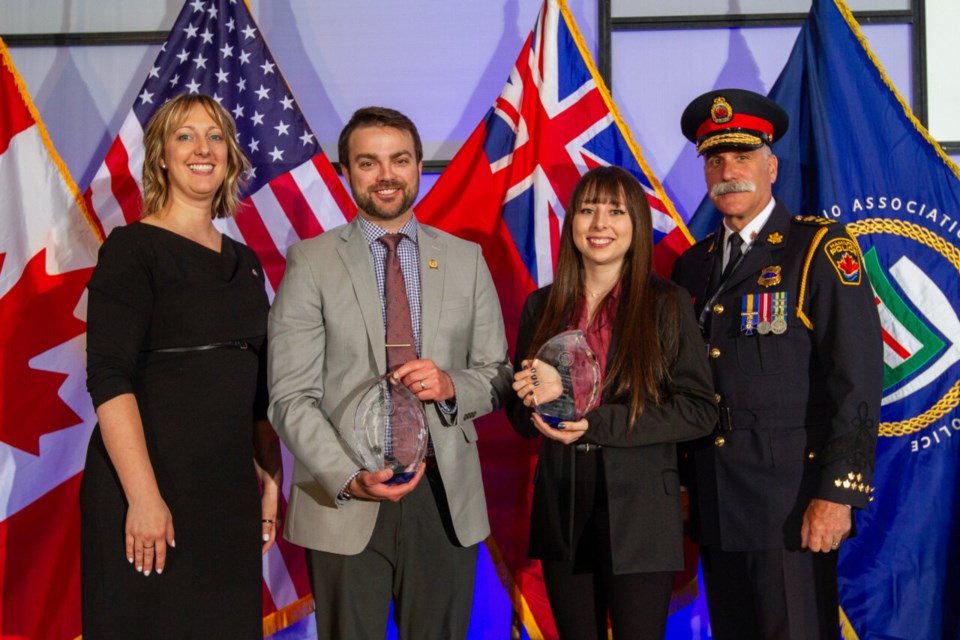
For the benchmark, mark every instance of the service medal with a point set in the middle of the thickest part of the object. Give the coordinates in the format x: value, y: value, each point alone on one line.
x: 769, y: 276
x: 763, y: 328
x: 779, y: 324
x: 748, y: 314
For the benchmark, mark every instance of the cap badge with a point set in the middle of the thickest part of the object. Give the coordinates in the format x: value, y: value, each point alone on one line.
x: 721, y: 112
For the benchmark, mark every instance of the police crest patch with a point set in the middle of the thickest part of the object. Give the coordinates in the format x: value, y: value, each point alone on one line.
x: 844, y: 255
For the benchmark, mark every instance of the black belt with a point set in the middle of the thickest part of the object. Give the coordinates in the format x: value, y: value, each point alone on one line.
x: 586, y: 447
x: 232, y: 344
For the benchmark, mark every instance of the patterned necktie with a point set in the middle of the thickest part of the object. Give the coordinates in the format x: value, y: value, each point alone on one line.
x: 400, y: 343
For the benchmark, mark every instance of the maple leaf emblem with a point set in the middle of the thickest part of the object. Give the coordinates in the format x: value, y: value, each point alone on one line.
x: 36, y: 315
x: 848, y: 265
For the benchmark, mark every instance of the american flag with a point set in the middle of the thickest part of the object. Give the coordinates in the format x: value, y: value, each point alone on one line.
x: 216, y: 48
x: 293, y: 193
x: 506, y: 189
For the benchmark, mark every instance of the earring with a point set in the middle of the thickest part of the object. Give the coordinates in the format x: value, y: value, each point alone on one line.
x: 163, y: 165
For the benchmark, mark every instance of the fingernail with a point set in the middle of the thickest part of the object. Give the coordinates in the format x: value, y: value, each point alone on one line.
x: 266, y: 537
x: 139, y: 569
x: 130, y: 560
x: 533, y: 369
x: 146, y: 573
x: 536, y: 384
x: 561, y: 426
x: 173, y: 543
x: 159, y: 571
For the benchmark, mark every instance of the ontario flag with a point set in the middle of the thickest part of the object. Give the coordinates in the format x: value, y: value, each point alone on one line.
x: 506, y: 189
x: 856, y: 153
x: 48, y: 246
x: 215, y: 47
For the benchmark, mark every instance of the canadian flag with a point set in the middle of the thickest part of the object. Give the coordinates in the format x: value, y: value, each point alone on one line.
x: 48, y: 247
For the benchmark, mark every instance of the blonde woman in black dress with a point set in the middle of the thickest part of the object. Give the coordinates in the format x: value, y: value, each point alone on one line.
x: 173, y: 520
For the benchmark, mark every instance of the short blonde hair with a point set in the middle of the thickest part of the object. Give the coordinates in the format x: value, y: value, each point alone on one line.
x: 167, y: 119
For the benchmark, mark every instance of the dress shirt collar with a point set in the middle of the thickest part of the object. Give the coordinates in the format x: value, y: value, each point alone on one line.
x: 372, y: 231
x: 749, y: 232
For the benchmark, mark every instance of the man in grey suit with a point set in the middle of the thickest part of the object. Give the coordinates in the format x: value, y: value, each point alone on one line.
x: 369, y: 541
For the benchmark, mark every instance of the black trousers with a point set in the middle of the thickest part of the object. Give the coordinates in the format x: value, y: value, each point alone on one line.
x: 414, y: 559
x: 771, y: 594
x: 584, y: 591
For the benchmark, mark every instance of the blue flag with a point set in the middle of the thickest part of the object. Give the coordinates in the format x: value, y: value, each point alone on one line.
x: 855, y: 153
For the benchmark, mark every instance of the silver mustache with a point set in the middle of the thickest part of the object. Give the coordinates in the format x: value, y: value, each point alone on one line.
x: 733, y: 186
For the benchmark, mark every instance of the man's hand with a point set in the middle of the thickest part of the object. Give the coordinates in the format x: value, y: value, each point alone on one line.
x: 369, y: 486
x: 825, y: 524
x: 425, y: 380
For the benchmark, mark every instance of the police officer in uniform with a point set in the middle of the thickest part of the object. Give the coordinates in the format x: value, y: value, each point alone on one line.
x: 793, y: 337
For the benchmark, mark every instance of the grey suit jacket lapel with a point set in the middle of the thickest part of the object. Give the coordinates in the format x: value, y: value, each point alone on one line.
x: 355, y: 254
x: 433, y: 254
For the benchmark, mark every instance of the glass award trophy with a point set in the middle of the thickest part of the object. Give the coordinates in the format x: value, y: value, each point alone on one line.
x: 390, y: 430
x: 567, y: 364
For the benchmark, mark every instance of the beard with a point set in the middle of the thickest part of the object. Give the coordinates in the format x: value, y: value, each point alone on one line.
x: 365, y: 199
x: 733, y: 186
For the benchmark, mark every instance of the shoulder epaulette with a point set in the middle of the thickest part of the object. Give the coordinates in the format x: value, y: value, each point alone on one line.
x: 816, y: 221
x: 708, y: 238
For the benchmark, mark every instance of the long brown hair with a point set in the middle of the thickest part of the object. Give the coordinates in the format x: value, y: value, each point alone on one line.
x: 647, y: 322
x: 166, y: 120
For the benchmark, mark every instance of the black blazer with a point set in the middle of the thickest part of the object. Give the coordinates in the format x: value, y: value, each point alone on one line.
x: 640, y: 466
x: 799, y: 409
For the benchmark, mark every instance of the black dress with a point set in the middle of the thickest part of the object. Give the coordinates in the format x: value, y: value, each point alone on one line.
x: 153, y: 291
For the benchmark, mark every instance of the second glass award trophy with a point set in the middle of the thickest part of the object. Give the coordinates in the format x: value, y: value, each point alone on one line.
x: 390, y: 430
x: 568, y: 360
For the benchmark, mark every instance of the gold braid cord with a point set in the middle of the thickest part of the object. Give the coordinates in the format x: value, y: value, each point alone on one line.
x: 803, y: 277
x: 929, y: 239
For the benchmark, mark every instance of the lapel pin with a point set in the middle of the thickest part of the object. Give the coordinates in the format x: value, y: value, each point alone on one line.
x: 433, y: 264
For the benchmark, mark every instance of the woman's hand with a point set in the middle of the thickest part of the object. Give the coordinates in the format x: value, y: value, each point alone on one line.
x: 269, y: 465
x: 566, y: 432
x: 537, y: 383
x: 269, y: 509
x: 149, y: 529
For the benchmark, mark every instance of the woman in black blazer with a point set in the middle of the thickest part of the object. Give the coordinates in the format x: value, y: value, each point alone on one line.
x: 605, y: 521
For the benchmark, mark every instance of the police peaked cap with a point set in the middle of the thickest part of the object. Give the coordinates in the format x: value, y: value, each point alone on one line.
x: 733, y: 118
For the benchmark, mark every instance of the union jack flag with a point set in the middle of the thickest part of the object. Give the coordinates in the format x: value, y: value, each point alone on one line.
x: 506, y: 189
x: 215, y: 47
x: 293, y: 193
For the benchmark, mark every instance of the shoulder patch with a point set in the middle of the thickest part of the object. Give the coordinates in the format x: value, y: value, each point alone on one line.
x: 844, y: 255
x: 816, y: 221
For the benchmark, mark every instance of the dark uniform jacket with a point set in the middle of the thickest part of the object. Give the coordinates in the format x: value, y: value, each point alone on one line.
x: 799, y: 407
x: 640, y: 466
